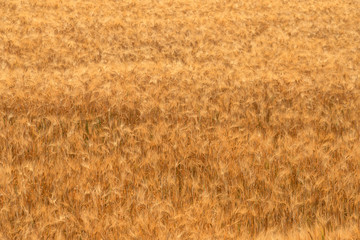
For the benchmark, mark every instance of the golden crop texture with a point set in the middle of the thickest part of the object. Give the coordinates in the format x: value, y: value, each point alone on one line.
x: 179, y: 119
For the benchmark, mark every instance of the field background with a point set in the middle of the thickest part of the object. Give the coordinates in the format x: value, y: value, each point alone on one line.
x: 179, y: 119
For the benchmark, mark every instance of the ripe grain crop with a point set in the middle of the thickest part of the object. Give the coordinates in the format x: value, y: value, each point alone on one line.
x: 179, y: 119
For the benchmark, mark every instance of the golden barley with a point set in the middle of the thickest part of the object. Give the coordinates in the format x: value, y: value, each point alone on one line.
x: 179, y: 119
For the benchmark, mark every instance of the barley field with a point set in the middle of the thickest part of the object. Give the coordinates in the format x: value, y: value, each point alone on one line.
x: 180, y: 119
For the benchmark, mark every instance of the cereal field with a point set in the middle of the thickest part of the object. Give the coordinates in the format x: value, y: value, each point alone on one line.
x: 180, y: 119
